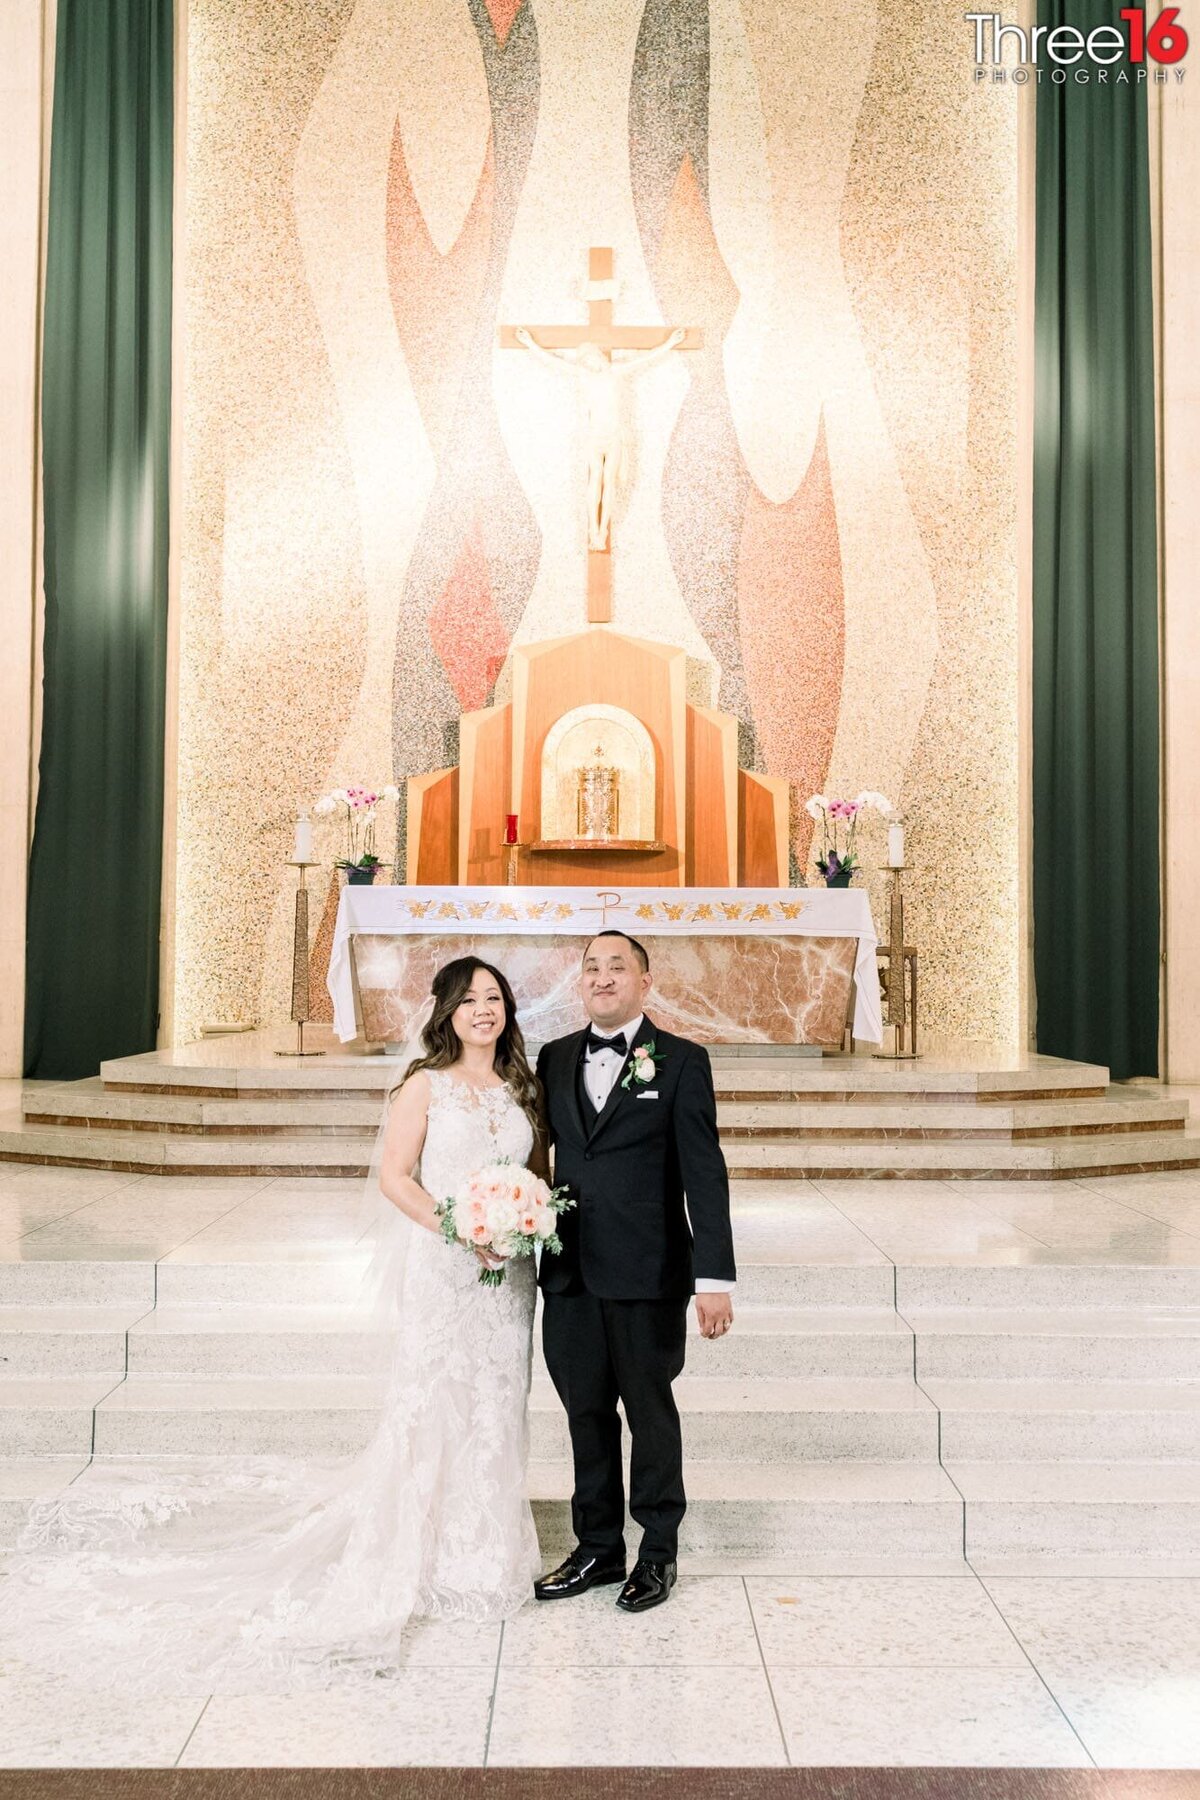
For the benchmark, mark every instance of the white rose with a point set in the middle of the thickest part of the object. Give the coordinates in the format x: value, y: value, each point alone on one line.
x: 501, y: 1216
x: 547, y: 1222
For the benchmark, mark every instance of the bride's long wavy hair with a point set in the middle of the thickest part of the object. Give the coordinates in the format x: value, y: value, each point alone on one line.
x: 443, y: 1047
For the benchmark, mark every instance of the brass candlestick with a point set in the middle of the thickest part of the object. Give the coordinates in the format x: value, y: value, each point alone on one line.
x: 301, y: 994
x: 900, y: 977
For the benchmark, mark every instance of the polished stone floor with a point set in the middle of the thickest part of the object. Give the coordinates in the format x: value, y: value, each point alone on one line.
x: 1030, y: 1301
x: 736, y: 1670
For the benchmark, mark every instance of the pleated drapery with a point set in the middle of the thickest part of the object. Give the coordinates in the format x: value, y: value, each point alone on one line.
x: 1095, y: 580
x: 94, y: 883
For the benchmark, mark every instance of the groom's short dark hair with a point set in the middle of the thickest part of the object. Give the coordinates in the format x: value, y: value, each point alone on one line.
x: 639, y: 950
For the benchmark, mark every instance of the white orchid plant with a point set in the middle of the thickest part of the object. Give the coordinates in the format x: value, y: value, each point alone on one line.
x: 360, y: 808
x: 838, y: 820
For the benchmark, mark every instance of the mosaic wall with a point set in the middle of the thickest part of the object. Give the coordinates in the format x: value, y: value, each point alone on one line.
x: 378, y: 501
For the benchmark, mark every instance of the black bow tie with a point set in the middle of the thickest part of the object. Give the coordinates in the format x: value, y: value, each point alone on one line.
x: 596, y: 1042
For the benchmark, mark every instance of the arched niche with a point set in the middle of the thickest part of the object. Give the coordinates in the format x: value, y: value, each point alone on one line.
x: 623, y: 743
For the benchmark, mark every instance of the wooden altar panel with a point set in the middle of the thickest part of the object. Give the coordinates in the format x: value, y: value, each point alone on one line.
x: 433, y: 828
x: 485, y: 784
x: 602, y: 667
x: 712, y: 798
x: 762, y: 830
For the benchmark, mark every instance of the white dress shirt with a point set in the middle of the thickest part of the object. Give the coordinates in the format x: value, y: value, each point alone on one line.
x: 600, y: 1070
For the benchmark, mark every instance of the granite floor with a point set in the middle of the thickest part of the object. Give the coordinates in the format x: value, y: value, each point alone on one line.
x: 736, y: 1670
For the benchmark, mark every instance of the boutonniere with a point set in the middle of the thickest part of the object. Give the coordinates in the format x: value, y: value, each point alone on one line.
x: 645, y: 1065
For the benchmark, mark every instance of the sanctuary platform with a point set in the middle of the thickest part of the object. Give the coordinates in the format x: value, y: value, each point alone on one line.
x: 233, y: 1105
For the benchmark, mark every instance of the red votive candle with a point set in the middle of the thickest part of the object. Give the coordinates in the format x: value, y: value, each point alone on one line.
x: 510, y: 828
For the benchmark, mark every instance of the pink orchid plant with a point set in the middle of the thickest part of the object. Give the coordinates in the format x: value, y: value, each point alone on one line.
x: 838, y: 820
x: 360, y: 808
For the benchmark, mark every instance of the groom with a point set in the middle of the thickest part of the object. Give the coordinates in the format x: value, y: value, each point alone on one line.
x: 633, y: 1122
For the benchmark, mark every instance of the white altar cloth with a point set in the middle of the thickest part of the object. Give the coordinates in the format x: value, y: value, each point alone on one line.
x: 578, y: 911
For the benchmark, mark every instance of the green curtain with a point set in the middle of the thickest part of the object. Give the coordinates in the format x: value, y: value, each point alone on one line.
x: 95, y: 868
x: 1095, y: 584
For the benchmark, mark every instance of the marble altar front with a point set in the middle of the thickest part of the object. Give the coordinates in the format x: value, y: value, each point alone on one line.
x: 740, y: 965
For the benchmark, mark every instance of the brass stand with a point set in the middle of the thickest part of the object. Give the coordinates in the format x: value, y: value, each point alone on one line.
x: 899, y: 979
x: 511, y: 854
x: 301, y: 996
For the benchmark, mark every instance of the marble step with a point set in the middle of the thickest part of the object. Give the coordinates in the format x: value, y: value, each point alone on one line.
x: 1067, y: 1421
x: 88, y: 1105
x: 277, y: 1276
x: 761, y: 1158
x: 842, y: 1512
x: 775, y: 1419
x: 199, y: 1275
x: 177, y: 1153
x: 1049, y: 1510
x: 44, y: 1415
x: 803, y: 1343
x: 900, y: 1119
x: 71, y: 1281
x: 941, y: 1159
x: 1020, y: 1517
x: 967, y: 1079
x: 1054, y: 1281
x: 768, y: 1419
x: 65, y: 1340
x: 247, y: 1067
x: 756, y: 1418
x: 807, y: 1511
x: 1134, y: 1344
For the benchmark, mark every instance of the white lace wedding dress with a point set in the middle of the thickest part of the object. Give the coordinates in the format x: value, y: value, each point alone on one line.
x: 297, y: 1575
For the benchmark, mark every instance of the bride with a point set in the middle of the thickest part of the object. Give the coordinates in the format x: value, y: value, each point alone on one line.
x: 283, y: 1576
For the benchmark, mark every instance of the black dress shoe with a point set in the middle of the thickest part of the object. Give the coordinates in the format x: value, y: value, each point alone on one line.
x: 649, y: 1585
x: 579, y: 1573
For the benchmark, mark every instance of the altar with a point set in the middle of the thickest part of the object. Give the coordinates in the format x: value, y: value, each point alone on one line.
x: 730, y: 965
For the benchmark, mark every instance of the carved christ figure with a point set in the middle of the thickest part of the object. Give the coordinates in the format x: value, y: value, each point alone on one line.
x: 602, y: 381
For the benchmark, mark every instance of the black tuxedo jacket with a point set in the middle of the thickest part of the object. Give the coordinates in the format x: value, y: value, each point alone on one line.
x: 628, y: 1170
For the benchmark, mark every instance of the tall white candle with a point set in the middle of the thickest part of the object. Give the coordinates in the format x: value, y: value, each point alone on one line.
x: 302, y: 849
x: 895, y: 846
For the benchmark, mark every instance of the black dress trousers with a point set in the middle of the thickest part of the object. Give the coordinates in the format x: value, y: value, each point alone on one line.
x: 598, y: 1351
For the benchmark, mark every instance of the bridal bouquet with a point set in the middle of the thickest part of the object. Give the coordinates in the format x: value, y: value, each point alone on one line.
x: 506, y: 1209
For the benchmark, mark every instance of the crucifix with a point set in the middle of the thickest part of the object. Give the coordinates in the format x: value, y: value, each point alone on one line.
x: 586, y: 351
